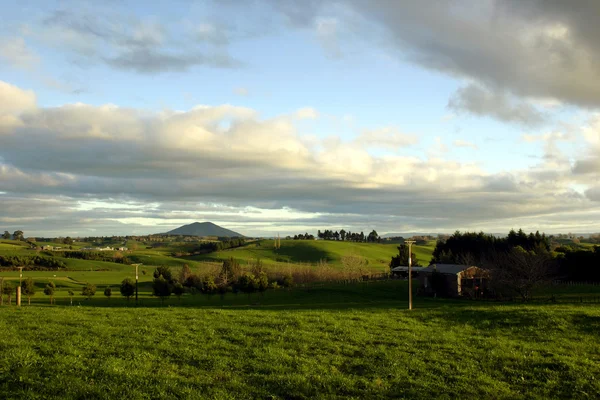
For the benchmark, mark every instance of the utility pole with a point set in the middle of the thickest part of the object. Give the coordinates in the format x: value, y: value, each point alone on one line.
x: 410, y: 243
x: 136, y: 283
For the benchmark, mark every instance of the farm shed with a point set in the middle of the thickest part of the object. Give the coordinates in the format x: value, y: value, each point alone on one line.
x: 453, y: 280
x: 402, y: 271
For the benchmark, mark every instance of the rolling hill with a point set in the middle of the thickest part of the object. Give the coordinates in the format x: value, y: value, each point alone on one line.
x: 204, y: 229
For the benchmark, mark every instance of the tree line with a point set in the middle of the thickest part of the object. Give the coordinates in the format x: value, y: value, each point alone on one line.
x: 348, y: 236
x: 29, y: 262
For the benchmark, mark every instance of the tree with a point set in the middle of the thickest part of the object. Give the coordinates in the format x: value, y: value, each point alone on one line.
x: 127, y: 288
x: 49, y: 291
x: 108, y: 292
x: 230, y: 271
x: 373, y: 236
x: 68, y: 240
x: 343, y: 235
x: 402, y: 258
x: 28, y: 289
x: 18, y: 235
x: 71, y: 294
x: 7, y: 290
x: 165, y: 272
x: 248, y: 283
x: 6, y: 235
x: 178, y: 290
x: 88, y: 290
x: 262, y: 282
x: 209, y: 286
x: 519, y: 271
x: 184, y: 273
x: 161, y: 288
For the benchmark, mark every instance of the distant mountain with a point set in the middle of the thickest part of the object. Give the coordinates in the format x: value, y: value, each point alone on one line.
x: 203, y: 229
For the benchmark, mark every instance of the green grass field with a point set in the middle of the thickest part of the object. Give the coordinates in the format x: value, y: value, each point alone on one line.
x: 312, y: 251
x: 361, y: 343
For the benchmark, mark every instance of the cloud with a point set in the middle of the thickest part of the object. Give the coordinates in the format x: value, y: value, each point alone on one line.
x: 241, y: 91
x: 497, y: 104
x: 16, y: 53
x: 14, y: 100
x: 166, y: 167
x: 307, y: 113
x: 389, y: 137
x: 532, y: 48
x: 125, y: 42
x: 465, y: 143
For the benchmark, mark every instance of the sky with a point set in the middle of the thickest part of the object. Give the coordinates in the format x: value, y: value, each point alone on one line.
x: 279, y: 116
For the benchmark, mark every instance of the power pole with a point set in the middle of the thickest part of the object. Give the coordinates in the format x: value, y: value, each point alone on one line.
x: 410, y: 243
x: 136, y: 283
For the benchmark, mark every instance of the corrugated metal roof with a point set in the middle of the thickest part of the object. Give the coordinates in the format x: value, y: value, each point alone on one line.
x: 446, y: 268
x: 404, y: 268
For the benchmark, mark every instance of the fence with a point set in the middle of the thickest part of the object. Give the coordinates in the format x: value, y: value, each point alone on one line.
x: 576, y: 283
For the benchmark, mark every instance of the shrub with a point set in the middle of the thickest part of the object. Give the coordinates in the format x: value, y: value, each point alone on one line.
x: 108, y: 292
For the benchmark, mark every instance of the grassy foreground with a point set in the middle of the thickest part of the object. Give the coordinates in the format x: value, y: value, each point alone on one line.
x: 439, y: 350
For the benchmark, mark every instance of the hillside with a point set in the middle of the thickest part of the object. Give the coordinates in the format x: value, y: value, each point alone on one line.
x: 312, y: 251
x: 204, y: 229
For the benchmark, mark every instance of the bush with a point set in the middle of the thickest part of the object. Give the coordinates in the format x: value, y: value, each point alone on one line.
x: 193, y: 281
x: 108, y: 292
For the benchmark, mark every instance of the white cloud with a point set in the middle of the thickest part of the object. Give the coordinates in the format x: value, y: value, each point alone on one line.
x: 16, y: 53
x: 465, y: 143
x: 229, y: 156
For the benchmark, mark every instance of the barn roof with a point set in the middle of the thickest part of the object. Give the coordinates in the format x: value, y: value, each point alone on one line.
x: 404, y: 268
x: 447, y: 268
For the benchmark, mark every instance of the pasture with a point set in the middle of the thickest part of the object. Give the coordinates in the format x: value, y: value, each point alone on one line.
x: 368, y: 346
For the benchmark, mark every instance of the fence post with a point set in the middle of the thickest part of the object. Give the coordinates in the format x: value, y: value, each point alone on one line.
x: 18, y: 297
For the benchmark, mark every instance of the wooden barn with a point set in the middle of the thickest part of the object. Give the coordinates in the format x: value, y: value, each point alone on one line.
x: 453, y: 280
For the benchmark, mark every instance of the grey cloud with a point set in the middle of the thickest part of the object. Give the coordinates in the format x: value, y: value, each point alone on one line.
x: 153, y: 61
x: 496, y: 104
x: 530, y: 48
x: 128, y: 43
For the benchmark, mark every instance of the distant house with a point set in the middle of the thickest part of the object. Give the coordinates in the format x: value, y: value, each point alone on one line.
x: 453, y: 280
x: 47, y: 247
x: 122, y: 248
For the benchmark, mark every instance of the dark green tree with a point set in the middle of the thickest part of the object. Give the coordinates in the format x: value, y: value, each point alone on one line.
x: 28, y: 289
x: 88, y: 290
x: 6, y: 235
x: 127, y: 288
x: 7, y: 290
x: 178, y: 290
x: 165, y: 272
x: 108, y: 292
x: 49, y: 291
x: 18, y: 235
x: 161, y: 288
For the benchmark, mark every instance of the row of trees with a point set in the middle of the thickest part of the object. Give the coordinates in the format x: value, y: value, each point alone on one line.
x: 348, y: 236
x: 306, y: 236
x: 17, y: 235
x: 230, y: 279
x: 31, y: 261
x: 209, y: 247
